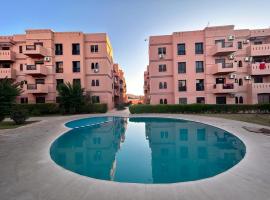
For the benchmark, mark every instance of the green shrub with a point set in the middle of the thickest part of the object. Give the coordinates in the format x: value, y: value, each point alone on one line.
x: 200, y: 108
x: 95, y: 108
x: 19, y: 116
x: 2, y: 117
x: 40, y: 109
x: 120, y: 107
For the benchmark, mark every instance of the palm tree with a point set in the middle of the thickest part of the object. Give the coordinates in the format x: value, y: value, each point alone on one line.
x: 9, y: 90
x: 71, y: 97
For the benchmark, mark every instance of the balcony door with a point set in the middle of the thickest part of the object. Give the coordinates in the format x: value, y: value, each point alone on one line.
x: 221, y: 100
x: 263, y: 98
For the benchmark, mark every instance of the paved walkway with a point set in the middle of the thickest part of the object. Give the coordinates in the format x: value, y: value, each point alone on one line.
x: 28, y: 173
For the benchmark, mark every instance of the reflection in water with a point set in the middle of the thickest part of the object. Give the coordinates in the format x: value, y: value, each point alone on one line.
x: 148, y: 150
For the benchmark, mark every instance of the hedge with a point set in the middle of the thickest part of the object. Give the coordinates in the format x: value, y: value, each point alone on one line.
x: 199, y: 108
x: 53, y: 108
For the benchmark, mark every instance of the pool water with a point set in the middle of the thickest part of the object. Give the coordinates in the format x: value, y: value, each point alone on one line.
x: 146, y: 150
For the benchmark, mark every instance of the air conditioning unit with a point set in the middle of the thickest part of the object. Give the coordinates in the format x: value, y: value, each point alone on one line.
x: 247, y: 59
x: 161, y: 56
x: 246, y: 42
x: 232, y: 76
x: 96, y: 70
x: 247, y: 78
x: 47, y: 59
x: 231, y: 37
x: 231, y: 57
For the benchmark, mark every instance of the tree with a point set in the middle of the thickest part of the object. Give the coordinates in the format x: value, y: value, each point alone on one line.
x: 71, y: 97
x: 9, y: 90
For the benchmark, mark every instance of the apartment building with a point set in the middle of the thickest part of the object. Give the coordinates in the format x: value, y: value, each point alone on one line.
x: 217, y: 65
x: 43, y: 59
x: 120, y: 87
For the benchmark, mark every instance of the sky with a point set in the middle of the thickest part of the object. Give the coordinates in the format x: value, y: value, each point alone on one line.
x: 129, y: 22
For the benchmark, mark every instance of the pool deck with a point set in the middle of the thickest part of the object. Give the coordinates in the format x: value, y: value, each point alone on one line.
x: 28, y: 173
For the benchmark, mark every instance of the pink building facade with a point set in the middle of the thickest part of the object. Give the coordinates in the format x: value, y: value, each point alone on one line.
x: 217, y: 65
x: 43, y: 59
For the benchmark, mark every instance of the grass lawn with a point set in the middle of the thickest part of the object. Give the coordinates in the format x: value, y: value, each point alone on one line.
x: 11, y: 124
x: 262, y: 119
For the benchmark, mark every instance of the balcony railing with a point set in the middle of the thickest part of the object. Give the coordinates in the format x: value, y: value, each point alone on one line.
x: 7, y: 73
x: 7, y: 55
x: 224, y: 88
x: 259, y: 69
x: 224, y: 68
x: 37, y: 88
x: 260, y: 49
x: 224, y: 48
x: 37, y: 69
x: 258, y: 88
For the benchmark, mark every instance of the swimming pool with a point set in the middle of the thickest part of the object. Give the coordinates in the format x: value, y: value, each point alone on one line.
x: 146, y: 150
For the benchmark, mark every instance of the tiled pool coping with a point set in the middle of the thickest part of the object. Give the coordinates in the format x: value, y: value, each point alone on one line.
x: 27, y: 171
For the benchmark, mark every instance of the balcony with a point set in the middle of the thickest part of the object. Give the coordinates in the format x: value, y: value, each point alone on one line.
x: 36, y: 70
x: 255, y: 69
x: 260, y: 49
x: 257, y: 88
x: 7, y: 55
x: 224, y: 68
x: 37, y: 88
x: 224, y: 88
x: 35, y: 50
x: 7, y: 73
x: 223, y: 49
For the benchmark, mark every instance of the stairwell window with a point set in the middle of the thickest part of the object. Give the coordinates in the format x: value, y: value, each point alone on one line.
x: 181, y: 49
x: 199, y: 48
x: 94, y: 66
x: 162, y: 85
x: 58, y: 49
x: 94, y: 48
x: 162, y: 68
x: 162, y: 51
x: 95, y: 83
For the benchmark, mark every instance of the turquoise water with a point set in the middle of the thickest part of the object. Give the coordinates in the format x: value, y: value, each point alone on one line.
x: 146, y: 150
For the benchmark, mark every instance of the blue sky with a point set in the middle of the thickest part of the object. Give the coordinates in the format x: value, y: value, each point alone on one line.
x: 129, y: 22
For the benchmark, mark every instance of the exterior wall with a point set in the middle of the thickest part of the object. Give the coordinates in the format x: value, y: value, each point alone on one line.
x: 120, y: 87
x: 15, y: 61
x: 254, y: 51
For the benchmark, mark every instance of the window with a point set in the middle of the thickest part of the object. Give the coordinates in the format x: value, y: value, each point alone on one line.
x: 58, y: 49
x: 59, y: 82
x: 24, y: 100
x: 40, y: 99
x: 239, y: 45
x: 181, y: 49
x: 76, y: 49
x: 59, y: 67
x: 76, y: 81
x: 183, y: 100
x: 241, y: 100
x: 199, y: 85
x: 162, y: 51
x: 95, y: 83
x: 221, y: 41
x: 160, y: 85
x: 182, y: 85
x: 165, y: 101
x: 164, y: 134
x: 20, y: 49
x: 240, y: 63
x: 76, y: 66
x: 40, y: 81
x: 199, y: 48
x: 94, y: 48
x: 162, y: 68
x: 258, y: 79
x: 165, y: 85
x: 94, y: 66
x: 161, y: 101
x: 183, y: 134
x: 21, y: 67
x: 199, y: 67
x: 221, y: 100
x: 183, y: 151
x: 181, y: 67
x: 236, y: 100
x: 95, y: 99
x: 240, y: 83
x: 200, y: 100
